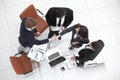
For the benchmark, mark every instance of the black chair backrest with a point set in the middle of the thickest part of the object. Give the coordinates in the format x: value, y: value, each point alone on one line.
x: 97, y: 51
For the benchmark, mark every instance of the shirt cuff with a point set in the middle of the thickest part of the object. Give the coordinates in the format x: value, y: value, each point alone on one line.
x: 50, y: 40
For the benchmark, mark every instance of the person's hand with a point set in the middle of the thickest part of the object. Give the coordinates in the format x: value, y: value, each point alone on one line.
x: 37, y: 34
x: 74, y: 43
x: 53, y: 38
x: 63, y: 28
x: 72, y: 58
x: 57, y: 37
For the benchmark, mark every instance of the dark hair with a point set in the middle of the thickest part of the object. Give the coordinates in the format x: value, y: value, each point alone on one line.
x: 83, y: 31
x: 30, y: 22
x: 60, y: 12
x: 95, y: 45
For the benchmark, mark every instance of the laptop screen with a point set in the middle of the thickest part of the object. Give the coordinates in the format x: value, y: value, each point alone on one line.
x: 53, y: 56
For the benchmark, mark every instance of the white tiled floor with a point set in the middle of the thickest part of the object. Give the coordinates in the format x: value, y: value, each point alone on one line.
x: 102, y: 17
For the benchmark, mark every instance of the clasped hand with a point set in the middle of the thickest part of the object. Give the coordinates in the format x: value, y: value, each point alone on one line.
x: 54, y: 37
x: 37, y: 34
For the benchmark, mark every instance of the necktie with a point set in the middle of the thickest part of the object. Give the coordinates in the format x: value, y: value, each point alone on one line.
x: 59, y: 23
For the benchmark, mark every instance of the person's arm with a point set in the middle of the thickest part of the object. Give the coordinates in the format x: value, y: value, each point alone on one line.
x: 69, y: 15
x: 81, y: 54
x: 37, y: 33
x: 67, y: 30
x: 85, y: 40
x: 74, y: 43
x: 37, y: 42
x: 50, y: 14
x: 34, y: 30
x: 76, y: 58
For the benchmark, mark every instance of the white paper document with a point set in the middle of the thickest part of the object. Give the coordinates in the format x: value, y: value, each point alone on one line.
x: 37, y: 51
x: 56, y: 28
x: 70, y: 63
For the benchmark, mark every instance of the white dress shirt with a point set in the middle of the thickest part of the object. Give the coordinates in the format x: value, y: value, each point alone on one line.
x: 57, y: 28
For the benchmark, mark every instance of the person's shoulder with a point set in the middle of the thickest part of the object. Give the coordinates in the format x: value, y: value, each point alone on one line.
x: 23, y: 20
x: 87, y: 49
x: 53, y: 8
x: 68, y: 9
x: 76, y: 25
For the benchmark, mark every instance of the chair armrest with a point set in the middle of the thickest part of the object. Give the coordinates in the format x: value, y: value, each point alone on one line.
x: 39, y: 11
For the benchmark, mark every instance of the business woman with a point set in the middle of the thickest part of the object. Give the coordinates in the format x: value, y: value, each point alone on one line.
x: 58, y: 18
x: 79, y: 35
x: 88, y: 53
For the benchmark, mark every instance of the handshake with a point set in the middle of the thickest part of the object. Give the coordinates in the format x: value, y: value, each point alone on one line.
x: 54, y: 37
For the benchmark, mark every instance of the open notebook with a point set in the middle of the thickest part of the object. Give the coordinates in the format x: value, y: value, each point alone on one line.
x: 37, y: 51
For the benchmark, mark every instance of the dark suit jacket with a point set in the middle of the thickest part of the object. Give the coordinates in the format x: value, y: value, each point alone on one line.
x: 51, y: 16
x: 89, y: 54
x: 85, y: 54
x: 27, y: 38
x: 78, y: 39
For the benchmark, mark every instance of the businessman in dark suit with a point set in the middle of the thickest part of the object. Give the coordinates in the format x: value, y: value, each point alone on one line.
x: 27, y: 35
x: 58, y: 18
x: 79, y: 35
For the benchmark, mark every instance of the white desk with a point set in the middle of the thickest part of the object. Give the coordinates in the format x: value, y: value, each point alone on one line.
x: 55, y: 73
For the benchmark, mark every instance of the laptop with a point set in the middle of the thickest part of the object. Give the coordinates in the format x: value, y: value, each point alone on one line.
x: 54, y: 57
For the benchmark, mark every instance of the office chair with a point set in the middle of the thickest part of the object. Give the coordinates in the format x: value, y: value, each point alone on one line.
x: 31, y: 11
x: 21, y: 64
x: 92, y: 56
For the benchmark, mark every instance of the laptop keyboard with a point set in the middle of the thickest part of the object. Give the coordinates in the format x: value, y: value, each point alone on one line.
x: 57, y: 61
